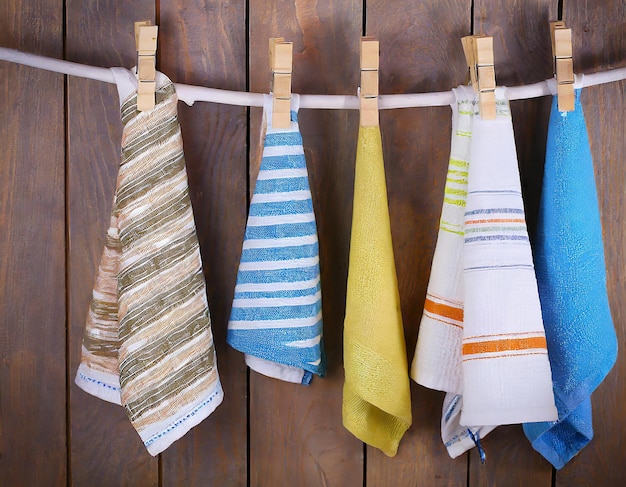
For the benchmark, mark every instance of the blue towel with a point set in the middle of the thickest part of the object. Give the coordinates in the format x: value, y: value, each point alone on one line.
x: 569, y: 261
x: 276, y: 318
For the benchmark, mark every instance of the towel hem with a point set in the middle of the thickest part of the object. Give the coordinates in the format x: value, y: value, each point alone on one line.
x: 98, y: 384
x: 459, y: 447
x: 391, y: 449
x: 275, y: 370
x: 179, y: 427
x: 463, y: 441
x: 432, y: 382
x: 317, y: 370
x: 509, y: 416
x: 548, y: 451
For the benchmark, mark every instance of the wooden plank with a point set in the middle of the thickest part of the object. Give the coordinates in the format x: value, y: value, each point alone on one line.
x: 523, y: 54
x: 32, y: 235
x: 214, y: 452
x: 296, y: 435
x: 106, y: 450
x: 521, y: 38
x: 416, y: 146
x: 597, y: 34
x: 599, y: 44
x: 530, y: 124
x: 511, y: 460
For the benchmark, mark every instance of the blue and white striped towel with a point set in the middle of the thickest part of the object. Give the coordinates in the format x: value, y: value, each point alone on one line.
x: 276, y: 318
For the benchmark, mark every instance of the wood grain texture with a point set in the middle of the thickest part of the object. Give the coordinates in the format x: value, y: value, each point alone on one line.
x: 32, y: 269
x: 599, y: 43
x: 598, y: 37
x: 420, y: 50
x: 511, y: 461
x: 530, y: 127
x: 521, y: 37
x: 214, y: 452
x: 296, y: 433
x: 105, y: 450
x: 523, y: 54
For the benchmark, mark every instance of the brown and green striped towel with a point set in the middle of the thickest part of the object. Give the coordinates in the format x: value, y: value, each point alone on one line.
x: 148, y: 343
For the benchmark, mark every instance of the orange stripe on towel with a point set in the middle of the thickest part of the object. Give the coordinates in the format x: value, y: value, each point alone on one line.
x: 444, y: 310
x: 504, y: 345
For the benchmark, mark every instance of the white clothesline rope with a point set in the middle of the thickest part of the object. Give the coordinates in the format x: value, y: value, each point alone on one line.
x: 191, y: 94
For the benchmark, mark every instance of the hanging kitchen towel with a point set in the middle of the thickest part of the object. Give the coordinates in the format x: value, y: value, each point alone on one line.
x: 148, y: 344
x: 569, y: 257
x: 376, y: 396
x: 276, y: 318
x: 506, y: 372
x: 437, y: 360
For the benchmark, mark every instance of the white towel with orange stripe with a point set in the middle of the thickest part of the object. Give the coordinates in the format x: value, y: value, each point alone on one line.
x: 481, y: 336
x: 437, y: 362
x: 506, y: 372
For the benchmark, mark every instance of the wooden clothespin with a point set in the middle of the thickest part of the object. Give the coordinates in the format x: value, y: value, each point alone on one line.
x: 146, y: 42
x: 478, y: 51
x: 369, y: 82
x: 563, y: 65
x: 281, y: 65
x: 468, y: 49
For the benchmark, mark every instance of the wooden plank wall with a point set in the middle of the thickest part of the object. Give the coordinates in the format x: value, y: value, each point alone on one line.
x: 59, y: 151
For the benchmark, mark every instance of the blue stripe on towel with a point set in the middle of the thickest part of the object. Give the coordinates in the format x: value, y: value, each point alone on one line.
x: 281, y: 185
x: 280, y: 293
x: 281, y: 208
x: 283, y: 335
x: 488, y: 238
x: 278, y: 275
x: 271, y: 313
x: 254, y: 342
x: 483, y: 211
x: 282, y: 230
x: 277, y: 139
x: 280, y: 253
x: 291, y: 161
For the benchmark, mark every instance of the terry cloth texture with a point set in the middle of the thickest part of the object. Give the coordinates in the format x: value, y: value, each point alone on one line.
x: 506, y: 373
x: 569, y: 257
x: 148, y: 344
x: 376, y: 396
x: 276, y: 318
x: 437, y: 360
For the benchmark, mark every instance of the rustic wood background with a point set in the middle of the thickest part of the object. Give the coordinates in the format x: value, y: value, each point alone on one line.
x: 59, y: 144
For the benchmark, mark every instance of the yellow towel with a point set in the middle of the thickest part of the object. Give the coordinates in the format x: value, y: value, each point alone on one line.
x: 376, y: 396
